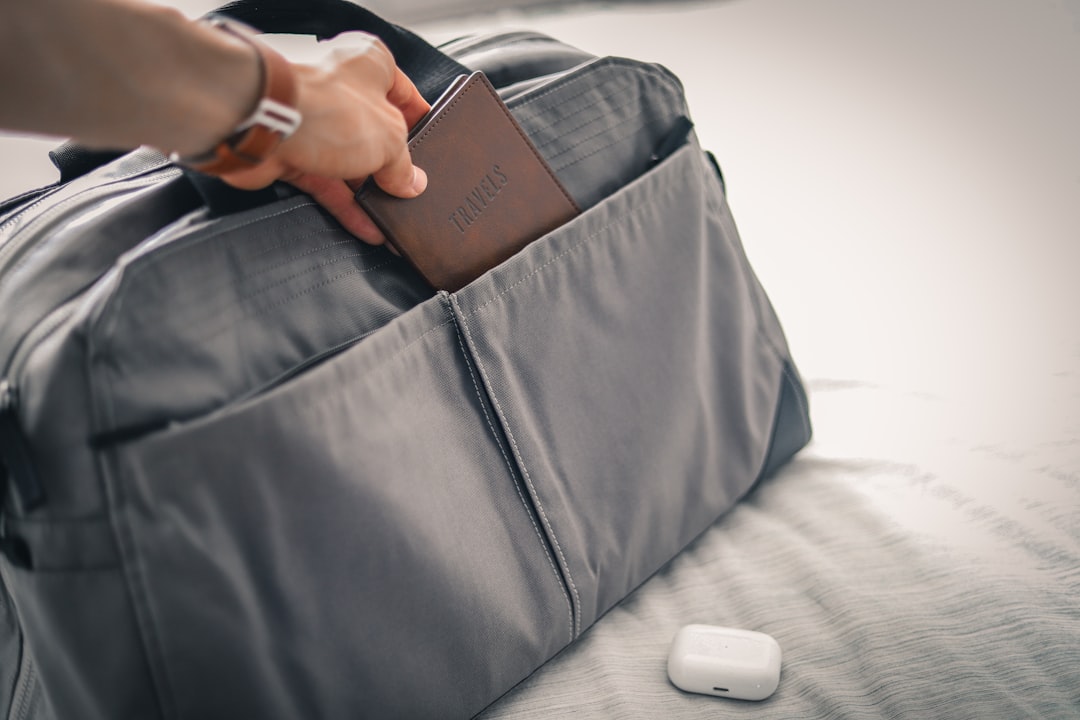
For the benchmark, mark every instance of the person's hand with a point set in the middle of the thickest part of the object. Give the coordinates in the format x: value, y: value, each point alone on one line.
x: 357, y: 107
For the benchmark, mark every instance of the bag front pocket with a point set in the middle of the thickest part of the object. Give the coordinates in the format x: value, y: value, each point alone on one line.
x: 625, y: 357
x: 352, y: 540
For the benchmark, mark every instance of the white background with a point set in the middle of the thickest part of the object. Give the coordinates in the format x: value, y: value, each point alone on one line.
x: 906, y: 176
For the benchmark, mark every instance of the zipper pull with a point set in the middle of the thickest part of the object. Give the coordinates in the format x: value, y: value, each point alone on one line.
x: 15, y: 465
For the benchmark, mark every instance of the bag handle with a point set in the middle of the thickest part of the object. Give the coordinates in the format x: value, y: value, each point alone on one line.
x: 429, y: 68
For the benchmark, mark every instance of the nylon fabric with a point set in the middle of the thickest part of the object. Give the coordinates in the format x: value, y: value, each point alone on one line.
x: 338, y: 568
x: 577, y: 387
x: 293, y: 481
x: 232, y: 306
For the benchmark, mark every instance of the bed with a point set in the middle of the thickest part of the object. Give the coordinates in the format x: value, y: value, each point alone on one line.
x: 905, y: 179
x: 910, y: 564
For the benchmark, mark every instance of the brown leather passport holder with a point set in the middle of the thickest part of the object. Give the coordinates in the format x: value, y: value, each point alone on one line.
x: 489, y: 191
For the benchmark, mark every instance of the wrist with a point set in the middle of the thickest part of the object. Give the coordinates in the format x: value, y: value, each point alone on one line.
x: 122, y: 73
x: 226, y: 73
x: 269, y: 118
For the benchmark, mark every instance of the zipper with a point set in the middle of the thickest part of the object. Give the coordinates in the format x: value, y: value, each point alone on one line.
x: 25, y: 696
x: 13, y: 249
x: 43, y: 329
x: 11, y: 206
x: 18, y: 472
x: 137, y: 163
x: 25, y: 693
x: 16, y: 468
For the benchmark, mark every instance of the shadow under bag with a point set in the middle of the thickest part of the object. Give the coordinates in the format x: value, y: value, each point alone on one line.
x: 254, y: 468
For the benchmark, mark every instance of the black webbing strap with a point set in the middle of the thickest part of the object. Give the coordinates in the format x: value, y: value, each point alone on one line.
x: 428, y: 67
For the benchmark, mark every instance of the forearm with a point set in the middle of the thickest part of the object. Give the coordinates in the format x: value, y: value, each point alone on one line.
x: 121, y: 73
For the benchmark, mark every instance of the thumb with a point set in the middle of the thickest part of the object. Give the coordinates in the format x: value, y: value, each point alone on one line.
x: 256, y: 177
x: 400, y: 177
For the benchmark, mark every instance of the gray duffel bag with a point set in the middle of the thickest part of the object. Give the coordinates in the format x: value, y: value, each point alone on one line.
x: 254, y: 468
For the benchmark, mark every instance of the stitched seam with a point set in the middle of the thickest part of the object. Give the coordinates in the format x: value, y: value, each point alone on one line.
x: 585, y: 74
x: 614, y: 141
x: 556, y: 126
x: 107, y: 322
x: 619, y: 221
x: 528, y: 481
x: 602, y: 131
x: 408, y: 345
x: 295, y: 296
x: 235, y: 404
x: 11, y: 205
x: 291, y: 241
x: 17, y: 219
x: 599, y: 66
x: 130, y: 560
x: 306, y: 253
x: 513, y: 478
x: 272, y: 286
x: 204, y: 297
x: 141, y: 263
x: 629, y: 136
x: 61, y: 206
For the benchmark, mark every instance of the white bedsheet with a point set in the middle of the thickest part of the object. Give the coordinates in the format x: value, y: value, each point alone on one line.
x: 912, y: 563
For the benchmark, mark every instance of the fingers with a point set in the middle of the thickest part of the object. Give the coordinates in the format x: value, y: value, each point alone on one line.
x: 406, y: 98
x: 256, y: 177
x: 359, y: 47
x: 401, y: 178
x: 357, y: 106
x: 397, y: 175
x: 337, y: 198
